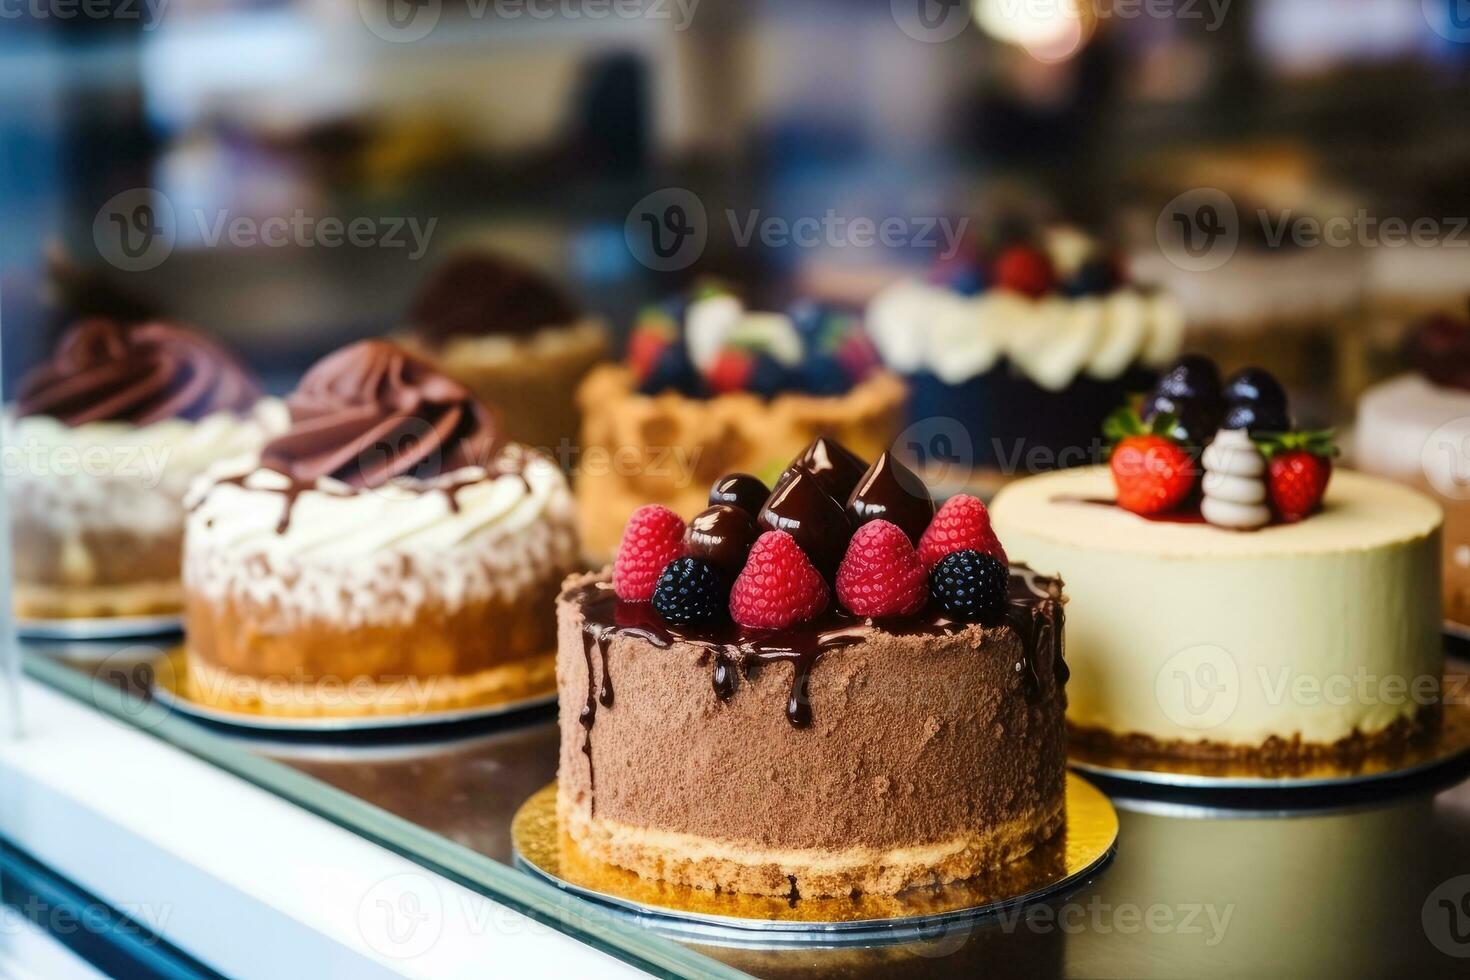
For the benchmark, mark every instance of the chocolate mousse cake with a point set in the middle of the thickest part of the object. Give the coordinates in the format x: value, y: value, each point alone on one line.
x: 819, y: 690
x: 108, y: 432
x: 389, y: 553
x: 1236, y: 598
x: 513, y: 337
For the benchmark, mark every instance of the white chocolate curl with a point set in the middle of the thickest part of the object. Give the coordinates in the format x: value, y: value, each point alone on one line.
x: 1234, y: 483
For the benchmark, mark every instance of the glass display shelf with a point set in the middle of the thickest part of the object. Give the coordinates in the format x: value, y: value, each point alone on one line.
x: 1367, y: 881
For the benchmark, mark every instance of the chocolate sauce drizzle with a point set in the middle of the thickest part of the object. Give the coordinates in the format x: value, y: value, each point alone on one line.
x: 504, y: 465
x: 1034, y: 612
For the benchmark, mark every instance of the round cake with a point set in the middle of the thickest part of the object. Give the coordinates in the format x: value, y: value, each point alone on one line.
x: 105, y: 437
x: 711, y: 387
x: 513, y: 338
x: 1191, y: 639
x: 1028, y: 348
x: 1412, y: 428
x: 788, y: 697
x: 389, y: 553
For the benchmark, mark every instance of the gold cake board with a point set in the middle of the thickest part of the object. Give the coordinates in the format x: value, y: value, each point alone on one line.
x: 1083, y: 846
x: 171, y: 688
x: 1449, y: 743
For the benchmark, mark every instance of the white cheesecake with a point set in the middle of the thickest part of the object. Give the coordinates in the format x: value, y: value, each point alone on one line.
x: 1190, y: 639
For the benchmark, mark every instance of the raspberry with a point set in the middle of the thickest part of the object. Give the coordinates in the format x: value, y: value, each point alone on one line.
x: 653, y: 537
x: 881, y: 574
x: 970, y: 586
x: 778, y: 585
x: 689, y: 593
x: 1024, y: 270
x: 963, y: 522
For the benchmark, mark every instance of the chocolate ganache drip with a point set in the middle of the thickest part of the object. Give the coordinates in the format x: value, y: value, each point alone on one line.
x: 372, y: 412
x: 101, y: 371
x: 475, y: 294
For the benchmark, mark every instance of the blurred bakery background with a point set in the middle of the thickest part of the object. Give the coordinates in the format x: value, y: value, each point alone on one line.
x: 535, y: 126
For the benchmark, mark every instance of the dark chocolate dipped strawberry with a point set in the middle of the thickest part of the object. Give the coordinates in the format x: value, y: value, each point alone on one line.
x: 836, y: 468
x: 892, y: 492
x: 801, y: 508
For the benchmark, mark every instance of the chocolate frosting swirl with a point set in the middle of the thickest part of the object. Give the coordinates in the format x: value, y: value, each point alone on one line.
x: 476, y: 293
x: 101, y: 371
x: 371, y: 412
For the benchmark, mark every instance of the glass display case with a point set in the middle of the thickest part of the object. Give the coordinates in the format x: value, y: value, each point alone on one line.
x: 291, y: 178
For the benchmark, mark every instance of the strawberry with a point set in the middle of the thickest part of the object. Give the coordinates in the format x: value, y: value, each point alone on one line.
x: 1153, y: 473
x: 644, y: 348
x: 1023, y: 269
x: 653, y: 537
x: 1300, y: 464
x: 962, y: 523
x: 881, y: 575
x: 730, y: 371
x: 778, y: 585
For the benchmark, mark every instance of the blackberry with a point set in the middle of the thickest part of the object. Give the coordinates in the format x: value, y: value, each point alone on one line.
x: 690, y: 593
x: 970, y: 585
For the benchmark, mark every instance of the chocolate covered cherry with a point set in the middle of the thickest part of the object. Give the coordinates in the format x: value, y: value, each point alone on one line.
x: 740, y: 490
x: 721, y: 538
x: 836, y: 468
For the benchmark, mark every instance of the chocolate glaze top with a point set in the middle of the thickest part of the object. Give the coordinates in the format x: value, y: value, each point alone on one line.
x: 101, y: 371
x: 1034, y: 611
x: 372, y: 412
x: 474, y: 294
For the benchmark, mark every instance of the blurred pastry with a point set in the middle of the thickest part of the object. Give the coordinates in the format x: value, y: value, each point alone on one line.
x: 101, y: 445
x: 389, y: 553
x: 1414, y: 428
x: 710, y: 387
x: 511, y: 336
x: 1028, y: 346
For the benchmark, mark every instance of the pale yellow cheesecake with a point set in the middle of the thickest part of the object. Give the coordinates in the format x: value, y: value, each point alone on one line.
x: 1189, y: 639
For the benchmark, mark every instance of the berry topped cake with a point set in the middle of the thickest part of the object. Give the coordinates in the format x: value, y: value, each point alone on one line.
x: 711, y: 387
x: 389, y: 553
x: 1236, y: 598
x: 513, y: 337
x: 111, y: 429
x: 1028, y: 344
x: 818, y: 688
x: 1413, y: 428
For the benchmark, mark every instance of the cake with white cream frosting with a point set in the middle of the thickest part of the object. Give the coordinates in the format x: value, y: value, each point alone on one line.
x: 1031, y: 347
x: 389, y: 553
